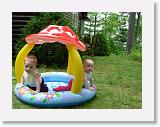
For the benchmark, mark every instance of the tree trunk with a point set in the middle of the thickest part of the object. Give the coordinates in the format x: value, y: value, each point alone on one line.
x: 94, y: 36
x: 130, y: 40
x: 95, y: 24
x: 137, y: 26
x: 79, y: 24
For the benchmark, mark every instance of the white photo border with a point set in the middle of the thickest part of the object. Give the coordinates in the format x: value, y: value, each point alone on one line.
x: 144, y: 114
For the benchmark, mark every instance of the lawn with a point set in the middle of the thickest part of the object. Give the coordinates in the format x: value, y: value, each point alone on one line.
x: 118, y: 80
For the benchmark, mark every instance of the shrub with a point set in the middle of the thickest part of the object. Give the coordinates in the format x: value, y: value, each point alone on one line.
x: 47, y: 54
x: 136, y: 53
x: 100, y: 47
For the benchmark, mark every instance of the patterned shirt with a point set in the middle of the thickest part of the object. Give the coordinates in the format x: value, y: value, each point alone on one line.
x: 29, y: 78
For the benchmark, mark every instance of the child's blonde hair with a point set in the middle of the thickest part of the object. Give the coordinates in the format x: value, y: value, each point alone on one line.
x: 32, y: 58
x: 86, y: 60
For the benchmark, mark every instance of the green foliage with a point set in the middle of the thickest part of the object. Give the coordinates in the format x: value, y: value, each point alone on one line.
x: 116, y: 32
x: 86, y: 39
x: 55, y: 54
x: 100, y: 47
x: 116, y: 47
x: 136, y: 53
x: 48, y: 54
x: 113, y: 26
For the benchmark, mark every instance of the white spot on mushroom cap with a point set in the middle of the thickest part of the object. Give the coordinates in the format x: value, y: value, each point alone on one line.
x: 54, y: 31
x: 40, y: 40
x: 70, y: 34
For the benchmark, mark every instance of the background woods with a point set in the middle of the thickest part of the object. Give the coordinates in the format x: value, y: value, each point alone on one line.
x: 102, y: 32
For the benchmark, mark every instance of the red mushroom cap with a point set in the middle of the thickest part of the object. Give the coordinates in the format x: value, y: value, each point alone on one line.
x: 54, y: 33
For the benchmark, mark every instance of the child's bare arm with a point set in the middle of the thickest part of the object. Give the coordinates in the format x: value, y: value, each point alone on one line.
x: 38, y: 82
x: 21, y: 83
x: 22, y: 80
x: 92, y: 84
x: 86, y: 83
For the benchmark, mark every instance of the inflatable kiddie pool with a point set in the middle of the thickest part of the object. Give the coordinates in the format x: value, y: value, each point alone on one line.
x: 77, y: 95
x: 53, y: 98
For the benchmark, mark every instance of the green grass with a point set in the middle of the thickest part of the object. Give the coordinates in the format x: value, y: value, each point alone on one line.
x: 118, y: 80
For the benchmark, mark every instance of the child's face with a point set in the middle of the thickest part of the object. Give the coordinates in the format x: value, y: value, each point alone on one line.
x: 88, y: 66
x: 29, y: 66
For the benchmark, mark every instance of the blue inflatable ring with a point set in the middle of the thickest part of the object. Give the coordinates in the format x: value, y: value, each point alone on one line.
x: 53, y: 98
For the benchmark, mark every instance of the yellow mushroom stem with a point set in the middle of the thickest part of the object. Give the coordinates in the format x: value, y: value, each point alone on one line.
x: 70, y: 67
x: 19, y: 64
x: 75, y: 67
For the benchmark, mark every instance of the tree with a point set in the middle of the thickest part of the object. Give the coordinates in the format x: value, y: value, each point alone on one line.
x: 82, y: 16
x: 113, y: 26
x: 130, y: 39
x: 137, y: 26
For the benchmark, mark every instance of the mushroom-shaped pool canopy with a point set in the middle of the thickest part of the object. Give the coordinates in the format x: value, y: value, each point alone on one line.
x: 54, y: 33
x: 64, y: 35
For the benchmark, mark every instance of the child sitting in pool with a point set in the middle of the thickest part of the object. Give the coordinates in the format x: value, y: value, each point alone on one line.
x: 88, y: 66
x: 88, y: 83
x: 31, y: 77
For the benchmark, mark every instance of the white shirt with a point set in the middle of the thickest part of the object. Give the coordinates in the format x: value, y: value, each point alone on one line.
x: 88, y: 77
x: 29, y: 78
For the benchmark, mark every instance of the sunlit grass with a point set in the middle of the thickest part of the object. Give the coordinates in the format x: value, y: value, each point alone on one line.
x: 118, y: 80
